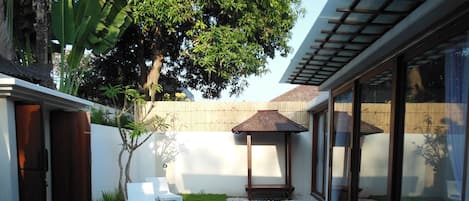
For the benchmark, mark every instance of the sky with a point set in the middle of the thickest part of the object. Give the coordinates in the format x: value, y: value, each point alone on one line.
x: 267, y: 87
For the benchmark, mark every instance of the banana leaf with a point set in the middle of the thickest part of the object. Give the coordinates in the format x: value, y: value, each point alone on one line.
x: 63, y: 24
x: 96, y: 25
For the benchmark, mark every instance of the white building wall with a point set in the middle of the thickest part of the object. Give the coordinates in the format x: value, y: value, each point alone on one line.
x: 105, y: 147
x: 301, y: 165
x: 216, y: 162
x: 104, y: 151
x: 8, y: 154
x: 202, y: 162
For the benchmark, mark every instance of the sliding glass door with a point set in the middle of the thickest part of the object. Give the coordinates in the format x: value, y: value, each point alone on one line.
x: 374, y: 135
x: 436, y: 121
x: 342, y: 133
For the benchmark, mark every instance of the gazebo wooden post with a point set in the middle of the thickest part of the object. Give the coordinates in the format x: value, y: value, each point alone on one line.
x: 288, y: 165
x: 249, y: 146
x: 288, y: 153
x: 269, y: 121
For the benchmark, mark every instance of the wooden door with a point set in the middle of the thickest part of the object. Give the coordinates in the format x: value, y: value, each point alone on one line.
x: 70, y: 156
x: 32, y: 155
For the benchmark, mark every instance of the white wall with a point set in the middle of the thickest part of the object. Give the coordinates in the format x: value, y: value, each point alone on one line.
x: 201, y: 161
x: 105, y: 146
x: 301, y: 165
x: 8, y: 156
x: 216, y: 162
x: 209, y: 162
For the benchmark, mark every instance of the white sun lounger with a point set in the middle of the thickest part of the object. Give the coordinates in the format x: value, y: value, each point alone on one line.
x: 161, y: 189
x: 140, y: 191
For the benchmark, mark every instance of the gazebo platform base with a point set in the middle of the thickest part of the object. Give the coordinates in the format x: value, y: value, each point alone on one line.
x: 270, y: 191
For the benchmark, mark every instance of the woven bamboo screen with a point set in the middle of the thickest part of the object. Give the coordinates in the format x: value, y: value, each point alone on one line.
x: 221, y: 116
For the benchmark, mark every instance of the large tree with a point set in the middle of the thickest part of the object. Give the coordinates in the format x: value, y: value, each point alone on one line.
x: 208, y: 45
x: 121, y: 66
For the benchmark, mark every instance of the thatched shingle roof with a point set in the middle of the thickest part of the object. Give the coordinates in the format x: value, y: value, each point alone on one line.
x: 344, y: 125
x: 299, y: 93
x: 34, y: 73
x: 268, y: 121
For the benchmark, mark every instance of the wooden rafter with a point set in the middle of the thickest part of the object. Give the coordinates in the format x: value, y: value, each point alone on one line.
x: 360, y: 23
x: 351, y: 33
x: 343, y: 51
x: 343, y: 42
x: 368, y: 11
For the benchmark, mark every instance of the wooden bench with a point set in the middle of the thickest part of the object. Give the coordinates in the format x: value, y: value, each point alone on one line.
x: 270, y: 191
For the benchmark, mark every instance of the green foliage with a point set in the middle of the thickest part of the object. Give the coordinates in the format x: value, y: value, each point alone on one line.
x: 139, y: 130
x: 86, y: 24
x: 125, y: 65
x: 111, y: 196
x: 208, y: 45
x: 434, y: 149
x: 177, y: 97
x: 204, y: 197
x: 102, y: 117
x: 99, y: 116
x: 111, y: 91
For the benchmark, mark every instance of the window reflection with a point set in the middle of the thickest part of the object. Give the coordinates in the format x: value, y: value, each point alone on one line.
x: 435, y: 117
x: 319, y: 149
x: 375, y: 115
x: 341, y: 145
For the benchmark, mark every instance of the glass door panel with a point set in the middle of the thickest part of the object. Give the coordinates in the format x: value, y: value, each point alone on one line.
x: 375, y: 108
x: 435, y: 122
x: 341, y: 145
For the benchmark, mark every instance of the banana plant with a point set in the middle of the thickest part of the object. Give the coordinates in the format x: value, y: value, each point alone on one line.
x: 94, y: 25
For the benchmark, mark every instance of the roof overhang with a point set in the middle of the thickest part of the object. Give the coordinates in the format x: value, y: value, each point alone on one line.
x: 318, y: 102
x: 25, y: 91
x: 349, y: 37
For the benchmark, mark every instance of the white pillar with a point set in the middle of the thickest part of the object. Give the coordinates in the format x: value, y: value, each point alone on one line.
x: 9, y: 189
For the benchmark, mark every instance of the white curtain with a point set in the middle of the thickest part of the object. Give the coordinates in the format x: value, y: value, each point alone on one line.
x: 456, y: 89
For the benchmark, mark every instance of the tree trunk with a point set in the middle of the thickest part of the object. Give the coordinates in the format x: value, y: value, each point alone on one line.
x: 122, y: 185
x: 6, y: 47
x: 141, y: 62
x: 154, y: 75
x: 42, y: 30
x: 127, y: 170
x: 41, y: 27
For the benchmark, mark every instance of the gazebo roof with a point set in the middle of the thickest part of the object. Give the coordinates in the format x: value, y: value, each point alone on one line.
x: 268, y: 121
x: 344, y: 125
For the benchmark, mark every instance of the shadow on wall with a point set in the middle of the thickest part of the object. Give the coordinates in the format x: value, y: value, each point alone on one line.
x: 167, y: 148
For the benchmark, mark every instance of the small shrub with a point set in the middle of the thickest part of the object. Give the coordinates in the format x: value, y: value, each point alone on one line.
x: 111, y: 196
x: 99, y: 116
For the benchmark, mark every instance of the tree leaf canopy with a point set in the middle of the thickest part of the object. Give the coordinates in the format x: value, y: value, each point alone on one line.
x: 212, y: 45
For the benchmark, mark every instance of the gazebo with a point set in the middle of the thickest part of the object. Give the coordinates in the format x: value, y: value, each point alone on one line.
x: 269, y: 122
